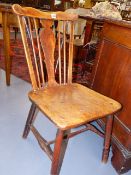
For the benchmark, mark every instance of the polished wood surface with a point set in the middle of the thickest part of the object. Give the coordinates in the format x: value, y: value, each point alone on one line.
x: 74, y: 110
x: 66, y: 104
x: 111, y: 77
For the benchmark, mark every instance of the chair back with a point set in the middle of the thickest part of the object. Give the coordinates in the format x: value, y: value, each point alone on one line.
x: 40, y: 43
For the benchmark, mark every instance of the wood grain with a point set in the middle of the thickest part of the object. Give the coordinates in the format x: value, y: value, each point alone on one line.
x: 72, y: 105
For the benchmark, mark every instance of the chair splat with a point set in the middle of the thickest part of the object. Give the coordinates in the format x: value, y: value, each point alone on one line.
x: 47, y: 39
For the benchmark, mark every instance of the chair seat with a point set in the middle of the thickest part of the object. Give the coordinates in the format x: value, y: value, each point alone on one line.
x: 71, y: 105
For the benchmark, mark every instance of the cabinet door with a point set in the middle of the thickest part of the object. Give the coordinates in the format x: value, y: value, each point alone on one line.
x: 112, y: 76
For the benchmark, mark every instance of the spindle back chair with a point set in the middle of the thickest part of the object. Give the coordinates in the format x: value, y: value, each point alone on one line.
x: 66, y: 104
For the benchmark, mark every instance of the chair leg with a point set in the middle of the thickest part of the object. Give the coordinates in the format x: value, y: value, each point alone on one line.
x: 59, y: 151
x: 30, y: 120
x: 107, y: 139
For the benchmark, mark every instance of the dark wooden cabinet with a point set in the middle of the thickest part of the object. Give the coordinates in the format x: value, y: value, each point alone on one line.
x: 42, y: 4
x: 52, y: 5
x: 11, y: 1
x: 112, y: 77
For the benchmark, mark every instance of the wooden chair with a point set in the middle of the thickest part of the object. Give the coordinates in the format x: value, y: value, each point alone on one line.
x: 68, y: 105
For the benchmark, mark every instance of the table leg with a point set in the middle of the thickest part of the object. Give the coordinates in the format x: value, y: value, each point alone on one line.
x: 6, y: 37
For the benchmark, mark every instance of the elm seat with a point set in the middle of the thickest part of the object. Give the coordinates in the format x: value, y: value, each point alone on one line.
x: 68, y: 105
x: 72, y: 105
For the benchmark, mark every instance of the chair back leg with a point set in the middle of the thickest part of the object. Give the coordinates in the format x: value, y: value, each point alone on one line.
x: 30, y: 119
x: 107, y: 138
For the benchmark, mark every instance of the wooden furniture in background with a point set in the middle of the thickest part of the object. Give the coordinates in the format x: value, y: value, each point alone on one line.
x: 8, y: 20
x: 112, y: 77
x: 67, y: 105
x: 126, y: 15
x: 50, y: 5
x: 67, y: 3
x: 42, y: 4
x: 90, y: 27
x: 92, y: 35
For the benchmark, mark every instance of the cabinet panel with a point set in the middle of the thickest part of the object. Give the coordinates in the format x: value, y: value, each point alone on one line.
x: 111, y: 76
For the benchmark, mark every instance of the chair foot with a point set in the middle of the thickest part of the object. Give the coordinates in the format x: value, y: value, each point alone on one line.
x: 107, y: 140
x: 59, y: 151
x: 30, y: 120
